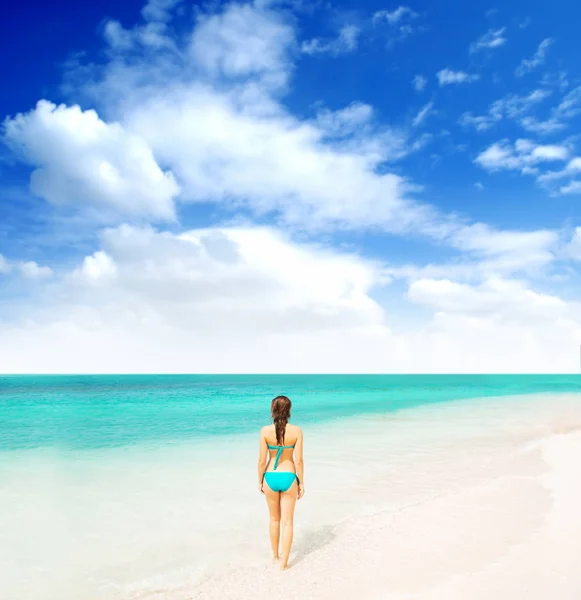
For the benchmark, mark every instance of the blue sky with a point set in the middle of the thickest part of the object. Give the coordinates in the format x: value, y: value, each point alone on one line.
x: 367, y: 186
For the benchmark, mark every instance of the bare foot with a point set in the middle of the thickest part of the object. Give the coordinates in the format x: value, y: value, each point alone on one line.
x: 284, y: 567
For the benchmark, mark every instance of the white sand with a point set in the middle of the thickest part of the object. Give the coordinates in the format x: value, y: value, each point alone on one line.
x: 476, y: 499
x: 490, y: 513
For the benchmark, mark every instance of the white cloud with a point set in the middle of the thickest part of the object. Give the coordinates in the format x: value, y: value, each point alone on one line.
x: 32, y: 270
x: 27, y: 269
x: 478, y: 185
x: 480, y: 123
x: 486, y: 253
x: 231, y: 298
x: 574, y: 187
x: 159, y: 10
x: 97, y: 268
x: 523, y: 155
x: 243, y: 41
x: 510, y: 300
x: 400, y: 24
x: 419, y: 82
x: 81, y: 160
x: 530, y: 64
x: 511, y: 106
x: 237, y: 273
x: 395, y: 16
x: 574, y: 247
x: 493, y: 38
x: 422, y: 114
x: 514, y: 105
x: 345, y: 121
x: 448, y: 77
x: 571, y: 171
x: 221, y: 151
x: 558, y: 80
x: 487, y: 242
x: 148, y: 36
x: 570, y: 106
x: 533, y: 125
x: 346, y: 42
x: 251, y: 300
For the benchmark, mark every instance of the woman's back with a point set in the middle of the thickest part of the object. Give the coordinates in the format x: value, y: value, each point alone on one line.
x: 285, y: 450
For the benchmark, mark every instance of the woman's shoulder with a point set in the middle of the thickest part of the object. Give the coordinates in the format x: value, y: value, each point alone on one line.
x: 294, y: 429
x: 266, y: 429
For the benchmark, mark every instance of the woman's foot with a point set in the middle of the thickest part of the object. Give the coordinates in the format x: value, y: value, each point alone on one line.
x: 284, y: 567
x: 275, y: 560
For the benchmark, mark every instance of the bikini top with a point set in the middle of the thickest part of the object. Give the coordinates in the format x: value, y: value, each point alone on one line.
x: 280, y: 449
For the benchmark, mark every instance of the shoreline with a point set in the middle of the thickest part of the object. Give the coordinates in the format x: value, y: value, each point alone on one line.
x: 511, y: 532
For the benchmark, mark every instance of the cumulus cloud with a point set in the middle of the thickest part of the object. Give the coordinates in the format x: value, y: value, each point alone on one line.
x: 530, y: 64
x: 510, y: 300
x: 551, y: 179
x: 219, y: 301
x: 346, y: 41
x: 243, y: 41
x: 239, y: 286
x: 81, y: 160
x: 493, y: 38
x: 27, y: 269
x: 275, y: 163
x: 32, y: 270
x: 524, y: 155
x: 449, y: 77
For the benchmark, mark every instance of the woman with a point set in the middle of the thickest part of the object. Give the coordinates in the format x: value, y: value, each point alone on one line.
x: 280, y: 478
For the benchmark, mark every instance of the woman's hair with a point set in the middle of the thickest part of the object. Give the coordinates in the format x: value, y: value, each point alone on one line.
x: 280, y: 410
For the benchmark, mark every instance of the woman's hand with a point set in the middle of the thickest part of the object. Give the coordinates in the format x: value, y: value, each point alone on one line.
x: 301, y: 492
x: 261, y: 488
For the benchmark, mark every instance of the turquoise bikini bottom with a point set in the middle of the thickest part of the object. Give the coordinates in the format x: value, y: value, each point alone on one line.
x: 280, y: 481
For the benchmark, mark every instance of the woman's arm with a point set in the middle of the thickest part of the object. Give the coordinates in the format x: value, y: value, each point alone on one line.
x: 262, y: 460
x: 300, y: 466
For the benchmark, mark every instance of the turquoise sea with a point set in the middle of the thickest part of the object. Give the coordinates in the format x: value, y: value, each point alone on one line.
x: 99, y: 411
x: 122, y: 487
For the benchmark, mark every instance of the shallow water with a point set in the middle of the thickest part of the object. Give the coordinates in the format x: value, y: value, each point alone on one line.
x: 121, y: 487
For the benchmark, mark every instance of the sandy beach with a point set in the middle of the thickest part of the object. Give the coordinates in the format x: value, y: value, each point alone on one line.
x: 461, y: 500
x: 499, y: 520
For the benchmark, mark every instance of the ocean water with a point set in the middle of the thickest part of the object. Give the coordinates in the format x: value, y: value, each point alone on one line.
x: 146, y: 486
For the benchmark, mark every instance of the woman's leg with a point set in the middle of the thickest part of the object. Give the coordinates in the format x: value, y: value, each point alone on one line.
x: 288, y: 500
x: 273, y: 501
